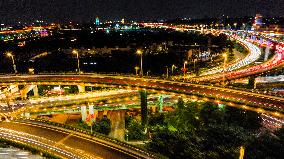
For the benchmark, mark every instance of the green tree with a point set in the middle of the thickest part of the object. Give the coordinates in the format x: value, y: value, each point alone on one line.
x: 202, y: 130
x: 180, y: 103
x: 144, y: 109
x: 102, y: 125
x: 247, y: 119
x: 265, y: 146
x: 210, y: 113
x: 135, y: 130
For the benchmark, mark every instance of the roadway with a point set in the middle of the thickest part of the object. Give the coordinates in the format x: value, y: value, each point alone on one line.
x: 235, y: 71
x: 244, y: 97
x: 253, y: 55
x: 230, y: 73
x: 85, y: 145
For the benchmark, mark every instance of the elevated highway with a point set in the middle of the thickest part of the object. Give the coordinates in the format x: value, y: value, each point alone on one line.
x: 74, y: 144
x: 232, y: 95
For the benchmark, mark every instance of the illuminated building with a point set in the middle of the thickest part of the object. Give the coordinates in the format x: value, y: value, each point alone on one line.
x: 97, y: 21
x: 257, y: 22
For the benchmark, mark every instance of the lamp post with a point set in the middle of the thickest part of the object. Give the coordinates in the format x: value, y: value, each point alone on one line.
x: 139, y: 52
x: 184, y: 69
x: 78, y: 60
x: 9, y: 54
x: 173, y: 67
x: 136, y: 70
x: 224, y: 65
x: 167, y: 69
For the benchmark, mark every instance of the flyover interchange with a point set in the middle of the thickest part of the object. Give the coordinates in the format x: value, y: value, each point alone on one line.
x: 231, y: 95
x: 274, y: 106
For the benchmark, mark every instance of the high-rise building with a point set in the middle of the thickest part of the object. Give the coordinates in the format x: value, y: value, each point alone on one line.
x: 97, y: 21
x: 257, y: 22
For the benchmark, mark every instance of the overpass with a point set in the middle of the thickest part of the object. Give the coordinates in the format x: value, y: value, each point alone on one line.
x: 226, y: 94
x: 69, y: 143
x: 237, y: 70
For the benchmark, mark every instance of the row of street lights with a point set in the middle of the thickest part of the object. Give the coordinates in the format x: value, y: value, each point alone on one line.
x: 10, y: 54
x: 139, y: 52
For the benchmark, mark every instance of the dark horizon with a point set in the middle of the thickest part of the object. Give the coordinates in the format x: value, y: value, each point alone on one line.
x: 14, y: 11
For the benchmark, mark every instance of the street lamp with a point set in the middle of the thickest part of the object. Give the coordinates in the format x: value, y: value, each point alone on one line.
x: 167, y: 69
x: 224, y: 65
x: 139, y: 52
x: 173, y: 67
x: 136, y: 69
x: 184, y: 69
x: 78, y: 60
x: 9, y: 54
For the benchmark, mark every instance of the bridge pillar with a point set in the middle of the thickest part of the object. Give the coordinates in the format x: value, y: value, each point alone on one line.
x: 81, y: 88
x: 252, y: 82
x: 35, y: 90
x: 117, y: 119
x: 84, y: 113
x: 24, y: 92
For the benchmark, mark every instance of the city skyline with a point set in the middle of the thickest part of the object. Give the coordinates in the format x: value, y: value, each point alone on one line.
x: 75, y: 10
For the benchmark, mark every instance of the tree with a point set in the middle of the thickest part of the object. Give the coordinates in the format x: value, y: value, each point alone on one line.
x: 265, y: 146
x: 180, y: 103
x: 203, y: 130
x: 144, y: 109
x: 102, y: 125
x: 221, y: 141
x: 247, y: 119
x: 135, y: 130
x: 210, y: 113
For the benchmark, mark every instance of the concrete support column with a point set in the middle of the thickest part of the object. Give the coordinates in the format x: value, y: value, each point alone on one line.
x: 81, y: 88
x: 35, y: 90
x: 24, y: 92
x: 84, y: 113
x: 117, y: 119
x: 252, y: 82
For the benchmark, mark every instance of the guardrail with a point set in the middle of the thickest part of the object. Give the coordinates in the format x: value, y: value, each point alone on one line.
x: 141, y: 153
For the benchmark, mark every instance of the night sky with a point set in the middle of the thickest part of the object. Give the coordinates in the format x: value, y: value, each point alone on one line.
x: 86, y: 10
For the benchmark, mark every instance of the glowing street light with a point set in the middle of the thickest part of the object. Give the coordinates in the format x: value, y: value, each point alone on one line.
x: 184, y: 69
x: 224, y: 65
x: 9, y: 54
x: 136, y: 70
x: 78, y: 60
x: 173, y: 67
x: 139, y: 52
